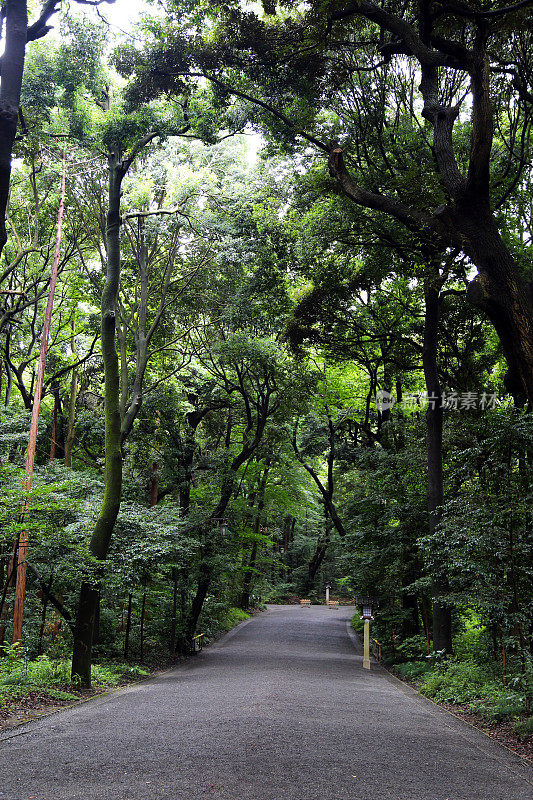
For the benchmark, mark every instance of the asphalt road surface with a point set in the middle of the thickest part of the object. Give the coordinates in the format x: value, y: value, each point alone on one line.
x: 280, y: 709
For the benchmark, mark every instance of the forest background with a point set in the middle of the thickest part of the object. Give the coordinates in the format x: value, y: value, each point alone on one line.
x: 291, y: 335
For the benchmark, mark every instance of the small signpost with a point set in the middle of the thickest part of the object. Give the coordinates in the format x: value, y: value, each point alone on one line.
x: 328, y: 587
x: 367, y: 605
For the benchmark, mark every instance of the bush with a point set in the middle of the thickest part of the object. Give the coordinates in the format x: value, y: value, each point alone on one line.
x: 280, y: 594
x: 524, y: 729
x: 456, y: 682
x: 413, y: 648
x: 502, y: 703
x: 412, y: 669
x: 233, y: 617
x: 357, y: 623
x: 19, y: 676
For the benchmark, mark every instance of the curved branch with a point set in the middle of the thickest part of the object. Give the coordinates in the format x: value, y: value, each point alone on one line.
x: 411, y: 217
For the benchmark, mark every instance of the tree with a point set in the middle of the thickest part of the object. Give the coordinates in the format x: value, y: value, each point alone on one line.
x: 350, y: 92
x: 17, y: 35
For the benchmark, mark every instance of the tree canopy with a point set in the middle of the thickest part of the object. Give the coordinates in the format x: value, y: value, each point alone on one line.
x: 292, y: 336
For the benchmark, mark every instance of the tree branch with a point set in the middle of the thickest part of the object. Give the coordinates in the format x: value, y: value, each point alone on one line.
x: 411, y: 217
x: 413, y: 43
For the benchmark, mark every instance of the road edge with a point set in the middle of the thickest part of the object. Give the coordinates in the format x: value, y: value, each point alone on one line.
x: 406, y: 688
x: 4, y: 732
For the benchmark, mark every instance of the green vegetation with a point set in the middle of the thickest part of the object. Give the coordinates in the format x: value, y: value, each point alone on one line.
x: 291, y: 340
x: 469, y: 679
x: 51, y: 677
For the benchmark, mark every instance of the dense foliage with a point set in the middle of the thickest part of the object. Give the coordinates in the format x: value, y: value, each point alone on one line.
x: 256, y: 381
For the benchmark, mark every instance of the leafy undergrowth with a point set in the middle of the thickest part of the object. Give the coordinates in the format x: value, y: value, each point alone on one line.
x: 28, y: 688
x: 31, y: 687
x: 466, y: 689
x: 217, y: 619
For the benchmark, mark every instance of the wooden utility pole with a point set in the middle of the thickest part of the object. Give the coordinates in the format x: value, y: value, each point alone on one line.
x: 20, y: 589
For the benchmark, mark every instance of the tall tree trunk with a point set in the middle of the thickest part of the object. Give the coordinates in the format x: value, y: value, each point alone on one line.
x: 43, y: 616
x: 57, y: 445
x: 54, y: 432
x: 250, y: 570
x: 20, y: 588
x: 173, y: 621
x: 410, y: 622
x: 442, y: 621
x: 154, y: 485
x: 204, y: 582
x: 71, y: 418
x: 9, y: 385
x: 143, y: 611
x: 318, y: 556
x: 504, y: 295
x: 9, y: 581
x: 205, y: 573
x: 16, y: 27
x: 248, y: 578
x: 101, y: 537
x: 128, y: 628
x: 250, y: 443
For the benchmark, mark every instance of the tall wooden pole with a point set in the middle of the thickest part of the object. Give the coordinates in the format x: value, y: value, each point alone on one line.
x: 20, y: 590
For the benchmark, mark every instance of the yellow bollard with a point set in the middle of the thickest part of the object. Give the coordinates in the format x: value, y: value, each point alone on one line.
x: 366, y: 652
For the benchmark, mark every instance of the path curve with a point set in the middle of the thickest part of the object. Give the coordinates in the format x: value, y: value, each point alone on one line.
x: 280, y: 709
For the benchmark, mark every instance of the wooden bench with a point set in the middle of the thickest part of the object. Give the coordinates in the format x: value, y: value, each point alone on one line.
x: 305, y: 603
x: 333, y: 603
x: 198, y: 643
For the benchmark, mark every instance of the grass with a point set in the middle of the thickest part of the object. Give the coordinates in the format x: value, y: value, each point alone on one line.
x: 20, y: 678
x: 234, y: 617
x: 466, y: 684
x: 469, y: 680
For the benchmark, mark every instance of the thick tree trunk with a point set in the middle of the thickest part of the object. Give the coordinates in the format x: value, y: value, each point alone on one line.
x: 83, y: 634
x: 442, y: 622
x: 504, y: 295
x: 16, y: 27
x: 100, y: 540
x: 204, y: 582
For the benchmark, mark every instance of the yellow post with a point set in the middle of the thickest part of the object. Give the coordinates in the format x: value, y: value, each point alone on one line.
x: 366, y: 654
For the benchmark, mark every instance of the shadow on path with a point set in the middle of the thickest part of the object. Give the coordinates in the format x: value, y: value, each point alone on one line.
x: 280, y: 709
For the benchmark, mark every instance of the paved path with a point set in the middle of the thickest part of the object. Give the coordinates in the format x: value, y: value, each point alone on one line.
x: 280, y: 709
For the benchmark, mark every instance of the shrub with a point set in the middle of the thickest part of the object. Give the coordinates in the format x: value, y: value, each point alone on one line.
x: 412, y: 669
x: 524, y: 729
x: 457, y: 682
x: 414, y: 647
x: 357, y: 623
x: 233, y: 617
x: 502, y: 703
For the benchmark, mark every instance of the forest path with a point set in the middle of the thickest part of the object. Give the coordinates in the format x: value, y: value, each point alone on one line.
x: 280, y: 709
